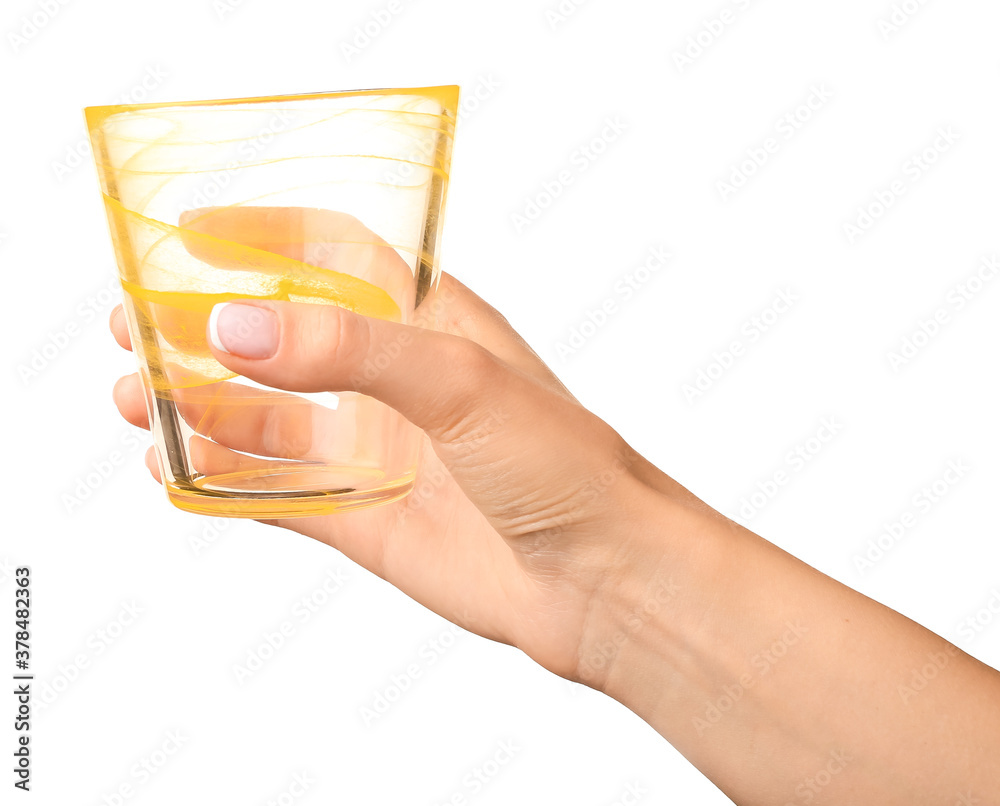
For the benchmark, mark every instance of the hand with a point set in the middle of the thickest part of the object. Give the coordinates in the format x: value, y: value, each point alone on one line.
x: 535, y: 524
x: 524, y: 499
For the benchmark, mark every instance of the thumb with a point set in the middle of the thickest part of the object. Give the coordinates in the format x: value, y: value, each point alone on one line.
x: 529, y: 456
x: 435, y: 380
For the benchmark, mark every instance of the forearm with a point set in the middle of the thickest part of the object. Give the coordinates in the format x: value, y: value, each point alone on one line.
x: 782, y: 685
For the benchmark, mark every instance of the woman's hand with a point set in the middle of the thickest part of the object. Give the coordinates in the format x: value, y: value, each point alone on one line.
x: 533, y: 523
x: 519, y: 527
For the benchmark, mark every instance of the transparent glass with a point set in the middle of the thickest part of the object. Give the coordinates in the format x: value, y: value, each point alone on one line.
x: 328, y: 198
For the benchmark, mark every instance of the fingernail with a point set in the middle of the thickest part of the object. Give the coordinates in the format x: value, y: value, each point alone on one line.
x: 243, y: 330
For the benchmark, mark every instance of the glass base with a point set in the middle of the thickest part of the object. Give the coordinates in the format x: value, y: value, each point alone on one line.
x: 210, y: 496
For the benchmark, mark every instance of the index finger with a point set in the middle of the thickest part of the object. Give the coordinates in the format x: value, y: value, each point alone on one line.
x: 326, y: 239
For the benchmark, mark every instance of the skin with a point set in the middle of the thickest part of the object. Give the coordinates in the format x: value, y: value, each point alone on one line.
x: 551, y: 534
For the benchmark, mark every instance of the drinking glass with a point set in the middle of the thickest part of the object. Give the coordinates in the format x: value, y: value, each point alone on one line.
x: 326, y: 198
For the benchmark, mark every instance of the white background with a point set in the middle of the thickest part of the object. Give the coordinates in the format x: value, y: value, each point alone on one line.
x: 546, y: 88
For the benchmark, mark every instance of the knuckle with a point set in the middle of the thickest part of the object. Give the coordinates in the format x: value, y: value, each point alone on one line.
x: 472, y: 360
x: 478, y: 375
x: 499, y: 320
x: 335, y: 341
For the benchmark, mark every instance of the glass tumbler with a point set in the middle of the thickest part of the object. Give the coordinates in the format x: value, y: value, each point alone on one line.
x: 327, y: 198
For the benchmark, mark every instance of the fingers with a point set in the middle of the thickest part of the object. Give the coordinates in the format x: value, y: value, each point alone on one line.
x: 488, y: 421
x: 151, y: 463
x: 432, y: 378
x: 211, y: 459
x: 460, y: 312
x: 447, y: 385
x: 128, y: 396
x: 256, y: 421
x: 283, y: 230
x: 211, y: 454
x: 276, y: 424
x: 119, y: 327
x: 327, y: 239
x: 340, y: 242
x: 129, y: 399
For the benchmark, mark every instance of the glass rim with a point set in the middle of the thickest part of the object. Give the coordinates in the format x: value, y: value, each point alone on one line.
x: 445, y: 94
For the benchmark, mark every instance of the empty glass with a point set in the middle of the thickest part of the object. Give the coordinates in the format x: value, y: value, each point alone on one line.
x: 330, y: 199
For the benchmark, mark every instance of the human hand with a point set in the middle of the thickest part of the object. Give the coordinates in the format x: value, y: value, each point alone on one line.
x: 535, y: 524
x: 520, y: 523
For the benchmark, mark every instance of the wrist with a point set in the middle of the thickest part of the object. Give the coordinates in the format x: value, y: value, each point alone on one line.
x: 653, y: 593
